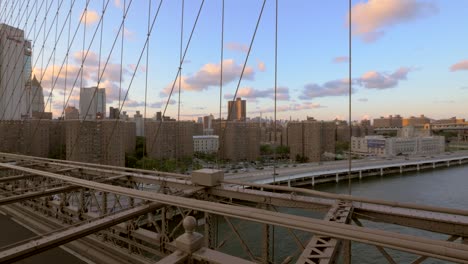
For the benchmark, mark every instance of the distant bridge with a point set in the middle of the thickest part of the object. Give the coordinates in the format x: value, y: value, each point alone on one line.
x: 311, y: 175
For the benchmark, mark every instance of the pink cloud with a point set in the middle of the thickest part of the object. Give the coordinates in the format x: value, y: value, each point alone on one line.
x: 234, y: 46
x: 369, y: 19
x: 341, y: 59
x: 282, y: 93
x: 261, y: 66
x: 381, y: 80
x: 209, y: 75
x: 90, y: 17
x: 459, y: 66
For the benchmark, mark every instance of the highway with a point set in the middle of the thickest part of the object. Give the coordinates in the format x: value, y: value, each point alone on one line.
x: 308, y: 169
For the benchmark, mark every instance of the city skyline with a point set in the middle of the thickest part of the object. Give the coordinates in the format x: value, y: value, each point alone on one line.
x: 405, y: 53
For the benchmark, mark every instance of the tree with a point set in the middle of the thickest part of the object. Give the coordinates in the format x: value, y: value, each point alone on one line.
x: 265, y: 150
x: 282, y: 151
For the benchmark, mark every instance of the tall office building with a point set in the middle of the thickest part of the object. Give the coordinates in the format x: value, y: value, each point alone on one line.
x: 237, y: 110
x: 37, y: 96
x: 92, y: 103
x: 71, y: 113
x: 140, y: 124
x: 15, y: 58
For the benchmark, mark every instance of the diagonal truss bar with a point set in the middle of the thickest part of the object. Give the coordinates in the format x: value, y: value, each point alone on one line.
x: 322, y: 249
x: 54, y: 240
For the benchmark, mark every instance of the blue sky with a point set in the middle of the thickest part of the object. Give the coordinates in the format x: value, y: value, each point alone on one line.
x: 409, y: 57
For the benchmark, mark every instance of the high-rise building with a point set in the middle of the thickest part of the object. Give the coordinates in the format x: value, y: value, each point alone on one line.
x: 311, y: 139
x: 114, y: 113
x: 98, y: 141
x: 140, y: 129
x: 71, y: 113
x: 208, y: 125
x: 170, y: 140
x: 237, y: 110
x: 15, y: 57
x: 92, y: 103
x: 37, y: 96
x: 238, y: 140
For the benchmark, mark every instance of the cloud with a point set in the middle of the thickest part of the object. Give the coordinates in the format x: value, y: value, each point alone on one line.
x: 118, y: 4
x: 133, y: 67
x: 261, y: 66
x: 369, y: 19
x: 128, y: 34
x: 341, y: 59
x: 90, y: 17
x: 234, y: 46
x: 363, y: 100
x: 209, y: 75
x: 459, y: 66
x: 464, y: 88
x: 331, y: 88
x: 162, y: 103
x: 71, y: 77
x: 380, y: 80
x: 282, y: 93
x: 290, y: 107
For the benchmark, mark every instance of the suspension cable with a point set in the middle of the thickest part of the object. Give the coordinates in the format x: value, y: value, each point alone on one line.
x: 178, y: 72
x: 221, y: 140
x: 349, y: 97
x: 245, y: 65
x: 134, y: 72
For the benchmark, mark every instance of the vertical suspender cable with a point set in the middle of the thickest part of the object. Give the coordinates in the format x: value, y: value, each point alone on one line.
x: 349, y: 97
x: 146, y: 82
x: 177, y: 149
x: 82, y: 57
x: 220, y: 139
x: 275, y: 124
x: 121, y: 52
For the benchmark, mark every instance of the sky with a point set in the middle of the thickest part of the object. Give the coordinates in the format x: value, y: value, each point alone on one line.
x: 409, y: 57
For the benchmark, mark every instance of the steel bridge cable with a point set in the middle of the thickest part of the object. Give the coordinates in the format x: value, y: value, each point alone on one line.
x: 101, y: 75
x: 220, y: 156
x: 21, y: 56
x: 176, y: 141
x: 66, y: 60
x: 54, y: 50
x: 49, y: 60
x: 178, y: 72
x: 99, y: 79
x: 275, y: 124
x: 349, y: 96
x: 3, y: 73
x: 136, y: 67
x: 146, y: 80
x: 121, y: 52
x: 66, y: 73
x: 85, y: 12
x: 245, y: 65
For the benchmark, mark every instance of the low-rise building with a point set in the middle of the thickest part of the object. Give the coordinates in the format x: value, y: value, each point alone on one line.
x: 397, y: 146
x: 205, y: 143
x: 388, y: 122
